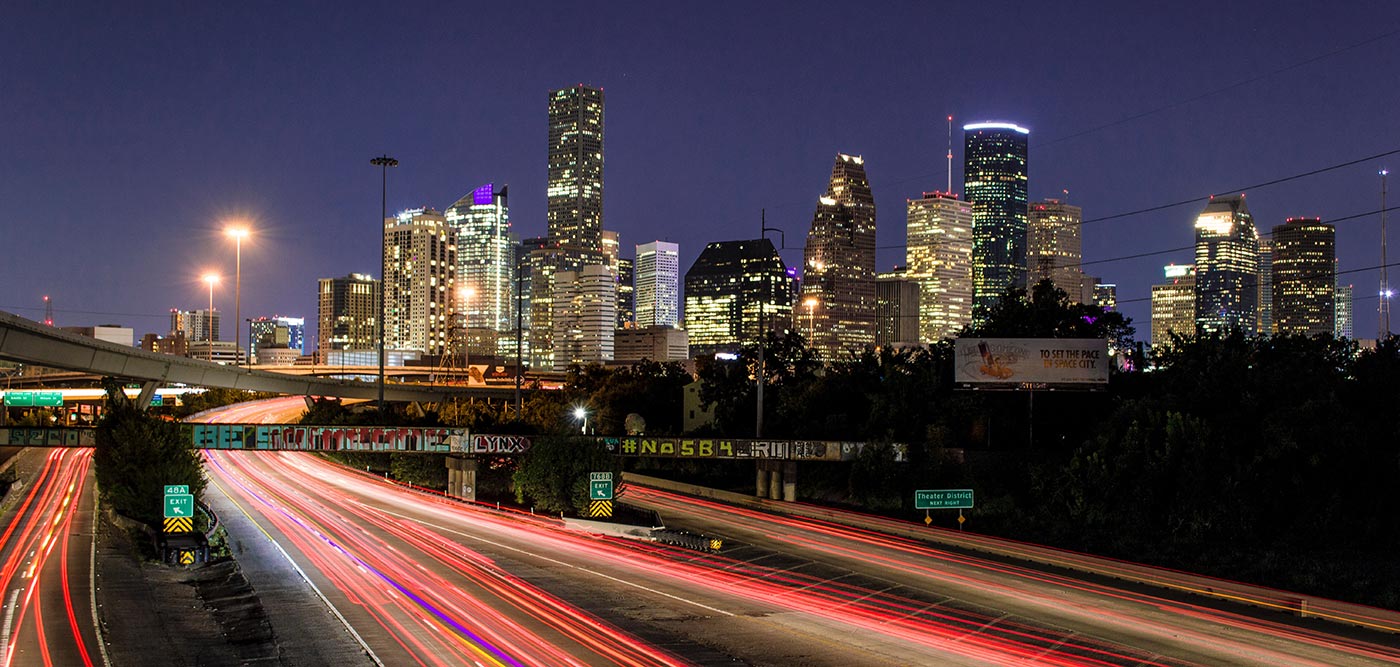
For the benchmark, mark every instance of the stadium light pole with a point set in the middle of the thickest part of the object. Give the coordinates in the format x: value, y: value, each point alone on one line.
x: 212, y: 279
x: 237, y: 234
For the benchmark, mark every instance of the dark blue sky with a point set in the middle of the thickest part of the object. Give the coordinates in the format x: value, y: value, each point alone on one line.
x: 130, y: 133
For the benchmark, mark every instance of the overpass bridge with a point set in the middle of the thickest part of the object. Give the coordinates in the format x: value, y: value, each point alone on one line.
x: 26, y: 341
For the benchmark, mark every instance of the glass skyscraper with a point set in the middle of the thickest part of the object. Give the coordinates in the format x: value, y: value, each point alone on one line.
x: 575, y: 211
x: 1304, y: 277
x: 734, y: 291
x: 938, y: 254
x: 485, y: 289
x: 994, y: 175
x: 1227, y: 267
x: 657, y: 284
x: 839, y: 263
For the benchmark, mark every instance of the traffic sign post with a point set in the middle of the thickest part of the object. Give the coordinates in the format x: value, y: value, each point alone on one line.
x: 943, y: 499
x: 600, y: 486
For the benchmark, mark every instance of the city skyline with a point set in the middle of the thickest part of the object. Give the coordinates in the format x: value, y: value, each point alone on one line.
x: 326, y: 189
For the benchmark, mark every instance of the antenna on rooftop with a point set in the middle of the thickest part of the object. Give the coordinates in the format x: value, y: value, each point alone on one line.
x: 950, y: 153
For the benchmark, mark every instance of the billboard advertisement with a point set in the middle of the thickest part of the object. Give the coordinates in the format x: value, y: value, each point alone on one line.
x: 1012, y: 362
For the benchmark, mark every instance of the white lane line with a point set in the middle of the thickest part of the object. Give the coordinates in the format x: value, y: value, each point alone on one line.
x: 92, y: 583
x: 343, y: 621
x: 552, y: 560
x: 5, y: 632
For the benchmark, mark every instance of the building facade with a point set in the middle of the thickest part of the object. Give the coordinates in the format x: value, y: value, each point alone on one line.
x: 734, y: 292
x: 484, y: 294
x: 1344, y: 320
x: 420, y: 266
x: 657, y: 284
x: 994, y: 179
x: 1227, y: 267
x: 1304, y: 277
x: 1174, y: 304
x: 1267, y: 325
x: 585, y: 316
x: 1054, y: 249
x: 626, y: 295
x: 197, y: 325
x: 657, y: 343
x: 346, y: 314
x: 575, y: 188
x: 938, y: 256
x: 839, y: 262
x: 896, y: 309
x: 284, y: 333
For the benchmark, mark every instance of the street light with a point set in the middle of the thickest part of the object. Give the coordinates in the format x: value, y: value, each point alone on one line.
x: 383, y: 162
x: 212, y: 279
x: 582, y: 415
x: 237, y: 234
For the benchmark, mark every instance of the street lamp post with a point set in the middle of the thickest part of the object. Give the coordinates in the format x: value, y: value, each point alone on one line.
x: 582, y: 414
x: 212, y: 280
x: 383, y: 162
x: 238, y: 234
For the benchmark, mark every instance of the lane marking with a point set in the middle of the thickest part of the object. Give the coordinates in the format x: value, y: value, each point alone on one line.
x: 5, y: 632
x: 552, y: 560
x: 343, y: 621
x: 92, y: 581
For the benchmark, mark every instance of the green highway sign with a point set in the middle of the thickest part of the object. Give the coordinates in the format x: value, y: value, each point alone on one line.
x: 177, y: 489
x: 33, y: 399
x: 179, y: 505
x: 600, y: 486
x: 943, y: 499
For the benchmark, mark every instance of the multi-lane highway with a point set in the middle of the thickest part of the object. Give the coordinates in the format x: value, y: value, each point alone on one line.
x: 46, y: 548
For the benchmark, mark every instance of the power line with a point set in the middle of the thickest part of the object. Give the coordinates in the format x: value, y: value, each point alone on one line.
x: 1302, y: 277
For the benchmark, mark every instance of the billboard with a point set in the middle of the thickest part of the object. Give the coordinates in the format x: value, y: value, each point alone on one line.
x: 1013, y: 362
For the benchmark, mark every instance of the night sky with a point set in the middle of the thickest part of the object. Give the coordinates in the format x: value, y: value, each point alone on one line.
x: 130, y: 132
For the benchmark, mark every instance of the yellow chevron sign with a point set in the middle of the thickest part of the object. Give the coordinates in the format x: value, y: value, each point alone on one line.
x: 187, y: 557
x: 600, y: 508
x: 179, y: 524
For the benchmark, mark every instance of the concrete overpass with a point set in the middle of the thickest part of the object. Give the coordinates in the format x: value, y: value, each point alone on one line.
x: 26, y: 341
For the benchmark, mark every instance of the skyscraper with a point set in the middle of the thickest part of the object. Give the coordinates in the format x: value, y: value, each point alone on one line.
x: 734, y: 291
x: 1304, y: 277
x: 484, y: 294
x: 284, y: 333
x: 1174, y: 304
x: 195, y: 324
x: 585, y: 316
x: 938, y: 254
x: 575, y: 190
x: 1053, y: 245
x: 994, y: 175
x: 346, y: 314
x: 839, y: 262
x: 657, y: 284
x: 538, y: 259
x: 1227, y: 267
x: 896, y: 309
x: 1267, y: 325
x: 626, y: 295
x: 1344, y: 320
x: 420, y: 261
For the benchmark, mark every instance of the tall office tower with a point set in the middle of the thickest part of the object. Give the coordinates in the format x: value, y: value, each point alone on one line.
x: 420, y: 266
x: 1227, y: 267
x: 658, y: 284
x: 839, y: 262
x: 585, y: 316
x: 1174, y: 304
x: 896, y: 309
x: 346, y: 314
x: 484, y: 291
x: 195, y: 324
x: 538, y: 260
x: 994, y: 178
x: 735, y: 291
x: 938, y: 254
x: 1266, y: 320
x: 1344, y: 319
x: 1053, y: 245
x: 626, y: 295
x: 283, y: 333
x: 611, y: 245
x: 1305, y: 277
x: 575, y: 212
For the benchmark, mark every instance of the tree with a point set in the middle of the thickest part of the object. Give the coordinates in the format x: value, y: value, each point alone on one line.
x: 553, y: 474
x: 137, y: 455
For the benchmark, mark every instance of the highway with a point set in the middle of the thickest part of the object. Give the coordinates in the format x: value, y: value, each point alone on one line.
x: 46, y: 549
x: 823, y: 554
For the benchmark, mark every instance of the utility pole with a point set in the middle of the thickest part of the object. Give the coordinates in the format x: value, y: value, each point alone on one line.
x: 383, y: 162
x: 762, y: 331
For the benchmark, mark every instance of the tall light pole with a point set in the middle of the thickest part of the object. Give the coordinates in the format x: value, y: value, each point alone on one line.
x: 212, y: 279
x: 237, y: 234
x: 581, y: 414
x: 383, y: 162
x: 1385, y: 284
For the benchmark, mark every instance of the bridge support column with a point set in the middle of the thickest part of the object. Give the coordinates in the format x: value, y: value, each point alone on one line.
x: 461, y: 477
x: 775, y: 480
x: 148, y: 392
x: 761, y: 484
x: 790, y: 481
